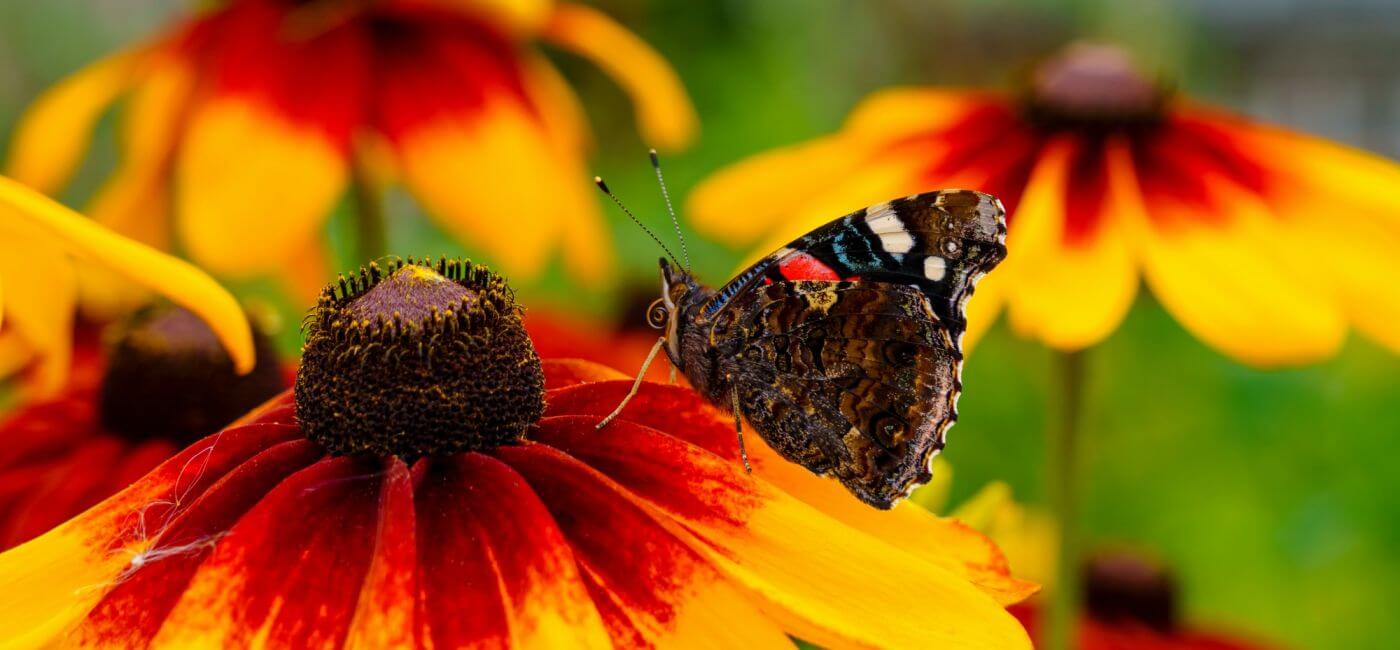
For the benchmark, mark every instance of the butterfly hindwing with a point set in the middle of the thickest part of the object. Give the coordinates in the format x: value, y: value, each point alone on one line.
x: 846, y: 343
x: 853, y: 379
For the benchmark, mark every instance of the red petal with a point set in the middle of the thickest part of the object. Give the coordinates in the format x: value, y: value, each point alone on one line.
x: 133, y: 612
x: 288, y: 574
x: 312, y: 73
x: 675, y: 410
x: 642, y: 570
x: 444, y: 67
x: 490, y: 546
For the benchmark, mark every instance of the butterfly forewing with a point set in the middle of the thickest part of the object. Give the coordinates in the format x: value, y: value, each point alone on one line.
x: 844, y: 346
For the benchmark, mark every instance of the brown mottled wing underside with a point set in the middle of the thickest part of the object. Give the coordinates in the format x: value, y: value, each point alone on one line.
x: 853, y: 379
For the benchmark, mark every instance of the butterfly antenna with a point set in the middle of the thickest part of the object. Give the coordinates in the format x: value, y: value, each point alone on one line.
x: 656, y: 164
x: 598, y: 180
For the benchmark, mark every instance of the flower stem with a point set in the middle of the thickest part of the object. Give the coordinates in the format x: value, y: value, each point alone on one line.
x: 371, y: 236
x: 1061, y: 630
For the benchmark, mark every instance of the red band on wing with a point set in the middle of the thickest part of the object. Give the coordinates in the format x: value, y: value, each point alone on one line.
x: 802, y: 266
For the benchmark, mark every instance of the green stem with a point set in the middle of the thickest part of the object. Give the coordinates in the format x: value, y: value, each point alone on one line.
x: 1061, y: 629
x: 371, y: 233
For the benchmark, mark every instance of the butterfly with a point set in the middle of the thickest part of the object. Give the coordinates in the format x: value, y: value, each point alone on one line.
x: 843, y: 349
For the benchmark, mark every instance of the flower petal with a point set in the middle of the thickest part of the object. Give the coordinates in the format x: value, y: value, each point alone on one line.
x: 563, y: 373
x: 49, y: 583
x: 1214, y: 256
x: 387, y: 614
x: 1073, y: 270
x: 253, y: 186
x: 664, y: 113
x: 177, y: 542
x: 896, y: 113
x: 748, y: 199
x: 826, y: 582
x: 288, y: 573
x: 179, y: 281
x: 494, y: 179
x: 1340, y: 204
x: 41, y: 291
x: 652, y: 589
x: 51, y: 137
x: 481, y: 508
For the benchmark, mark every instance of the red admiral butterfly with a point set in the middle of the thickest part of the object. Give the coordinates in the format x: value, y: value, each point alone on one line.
x: 842, y: 349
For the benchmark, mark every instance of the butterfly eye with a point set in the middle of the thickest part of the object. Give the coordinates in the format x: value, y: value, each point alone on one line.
x: 657, y: 314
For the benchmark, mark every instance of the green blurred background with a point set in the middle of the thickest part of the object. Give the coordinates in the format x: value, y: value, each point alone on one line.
x: 1271, y: 494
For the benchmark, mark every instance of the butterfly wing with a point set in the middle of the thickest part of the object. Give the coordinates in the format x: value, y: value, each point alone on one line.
x: 849, y: 338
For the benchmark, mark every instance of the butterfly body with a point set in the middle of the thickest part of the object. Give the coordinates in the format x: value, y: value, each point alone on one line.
x: 843, y: 348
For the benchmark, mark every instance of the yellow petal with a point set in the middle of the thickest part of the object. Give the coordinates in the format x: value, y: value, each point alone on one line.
x: 559, y: 107
x: 496, y: 181
x: 252, y: 187
x: 829, y: 593
x: 51, y: 137
x: 664, y: 113
x: 40, y: 293
x: 951, y: 545
x: 747, y: 200
x: 1226, y: 282
x: 898, y: 112
x: 48, y: 584
x: 1069, y: 295
x: 179, y: 281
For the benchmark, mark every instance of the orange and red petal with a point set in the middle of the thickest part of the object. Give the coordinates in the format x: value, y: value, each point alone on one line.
x: 1070, y: 271
x: 1221, y: 261
x: 1336, y: 203
x: 487, y: 534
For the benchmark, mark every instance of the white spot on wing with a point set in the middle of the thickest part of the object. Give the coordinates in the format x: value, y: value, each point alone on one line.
x: 935, y: 267
x: 896, y: 243
x: 885, y: 224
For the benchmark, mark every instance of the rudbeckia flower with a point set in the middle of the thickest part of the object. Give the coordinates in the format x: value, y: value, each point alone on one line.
x: 1264, y: 243
x: 246, y: 123
x: 432, y: 483
x: 1130, y: 604
x: 40, y: 245
x: 160, y: 383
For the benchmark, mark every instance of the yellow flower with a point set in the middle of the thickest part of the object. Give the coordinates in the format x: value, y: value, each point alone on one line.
x: 40, y: 241
x: 1264, y: 243
x: 245, y: 124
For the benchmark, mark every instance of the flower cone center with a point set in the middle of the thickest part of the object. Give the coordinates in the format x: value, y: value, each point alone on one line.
x: 1093, y: 85
x: 168, y: 377
x: 416, y: 361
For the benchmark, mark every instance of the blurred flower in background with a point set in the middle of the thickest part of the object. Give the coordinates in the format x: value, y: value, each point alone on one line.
x: 1265, y: 244
x: 1131, y: 604
x: 246, y: 124
x: 40, y: 243
x: 159, y: 383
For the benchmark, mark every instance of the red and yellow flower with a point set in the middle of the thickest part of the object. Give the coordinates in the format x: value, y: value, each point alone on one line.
x: 646, y: 534
x: 246, y: 123
x: 40, y: 244
x: 1264, y: 243
x: 115, y: 420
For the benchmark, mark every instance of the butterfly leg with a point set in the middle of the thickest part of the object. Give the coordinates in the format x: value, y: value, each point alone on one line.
x: 636, y: 385
x: 739, y: 429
